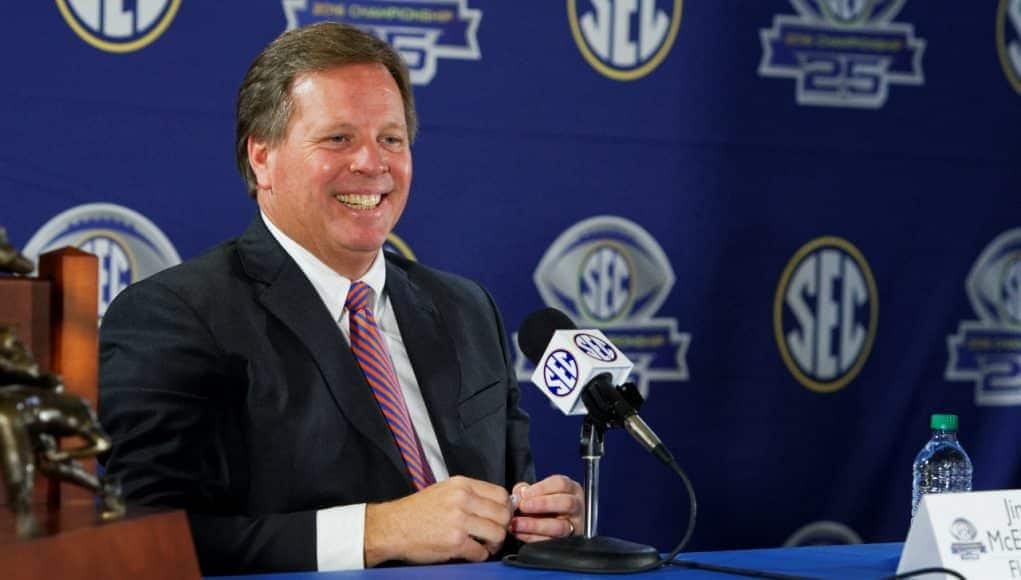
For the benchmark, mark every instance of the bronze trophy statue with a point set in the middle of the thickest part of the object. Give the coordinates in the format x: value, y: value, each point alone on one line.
x: 49, y: 432
x: 35, y: 413
x: 10, y: 259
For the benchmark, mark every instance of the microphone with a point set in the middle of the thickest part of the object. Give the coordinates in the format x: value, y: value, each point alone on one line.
x: 577, y: 370
x: 570, y: 358
x: 566, y: 358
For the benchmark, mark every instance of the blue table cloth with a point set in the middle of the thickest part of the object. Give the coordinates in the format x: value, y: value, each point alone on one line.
x: 857, y: 562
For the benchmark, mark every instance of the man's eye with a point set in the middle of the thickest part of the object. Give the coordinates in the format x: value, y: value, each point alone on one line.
x: 338, y: 138
x: 393, y: 141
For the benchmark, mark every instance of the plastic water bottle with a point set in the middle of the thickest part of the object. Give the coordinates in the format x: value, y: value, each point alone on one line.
x: 942, y: 466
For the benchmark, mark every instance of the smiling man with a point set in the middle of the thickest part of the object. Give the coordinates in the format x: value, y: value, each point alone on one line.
x: 313, y: 402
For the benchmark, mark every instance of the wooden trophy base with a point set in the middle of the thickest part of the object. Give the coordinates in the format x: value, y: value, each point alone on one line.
x: 75, y: 544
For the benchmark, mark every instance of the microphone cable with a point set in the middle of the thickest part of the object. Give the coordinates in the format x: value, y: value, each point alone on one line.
x: 664, y: 455
x: 920, y: 571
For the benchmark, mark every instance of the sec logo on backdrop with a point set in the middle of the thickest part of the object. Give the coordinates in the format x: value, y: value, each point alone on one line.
x: 397, y: 245
x: 1008, y: 40
x: 624, y: 39
x: 129, y: 246
x: 118, y: 25
x: 987, y: 351
x: 825, y: 314
x: 609, y: 273
x: 424, y: 32
x: 842, y: 53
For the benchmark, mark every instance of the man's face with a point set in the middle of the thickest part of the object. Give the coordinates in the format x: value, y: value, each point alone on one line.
x: 338, y: 181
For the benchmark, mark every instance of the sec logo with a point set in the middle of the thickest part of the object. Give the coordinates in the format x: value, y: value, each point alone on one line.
x: 843, y: 53
x: 560, y: 373
x: 609, y: 273
x: 397, y: 245
x: 118, y: 25
x: 1008, y: 40
x: 605, y: 282
x: 624, y: 39
x: 986, y: 350
x: 596, y: 347
x: 129, y: 246
x: 825, y: 314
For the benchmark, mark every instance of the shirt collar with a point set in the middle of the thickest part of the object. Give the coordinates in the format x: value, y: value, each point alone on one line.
x: 331, y: 286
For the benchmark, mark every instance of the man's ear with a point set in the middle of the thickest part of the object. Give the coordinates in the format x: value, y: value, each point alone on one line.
x: 258, y: 159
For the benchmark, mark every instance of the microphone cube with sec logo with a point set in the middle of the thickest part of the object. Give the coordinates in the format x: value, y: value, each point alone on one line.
x: 572, y: 359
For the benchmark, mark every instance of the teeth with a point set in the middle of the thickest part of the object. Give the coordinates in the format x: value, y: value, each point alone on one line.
x: 359, y: 201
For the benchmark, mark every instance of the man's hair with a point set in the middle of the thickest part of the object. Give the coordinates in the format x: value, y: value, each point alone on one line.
x: 265, y: 103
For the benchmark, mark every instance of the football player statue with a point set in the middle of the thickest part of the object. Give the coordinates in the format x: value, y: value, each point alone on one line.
x: 10, y: 259
x: 35, y: 413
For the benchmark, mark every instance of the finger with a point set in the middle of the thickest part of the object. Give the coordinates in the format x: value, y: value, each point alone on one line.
x: 516, y: 494
x: 472, y: 497
x: 496, y: 512
x: 560, y: 503
x: 473, y: 551
x: 552, y: 484
x: 549, y: 527
x: 485, y: 489
x: 487, y: 531
x: 489, y: 546
x: 529, y: 538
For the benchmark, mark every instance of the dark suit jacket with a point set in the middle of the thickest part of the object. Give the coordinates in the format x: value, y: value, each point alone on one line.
x: 229, y: 391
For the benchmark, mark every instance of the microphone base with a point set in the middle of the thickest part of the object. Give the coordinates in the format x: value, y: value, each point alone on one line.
x: 600, y: 554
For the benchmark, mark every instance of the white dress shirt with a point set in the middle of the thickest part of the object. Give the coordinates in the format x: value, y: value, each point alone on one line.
x: 340, y: 530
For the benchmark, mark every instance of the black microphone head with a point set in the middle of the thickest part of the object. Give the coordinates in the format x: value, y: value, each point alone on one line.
x: 537, y: 330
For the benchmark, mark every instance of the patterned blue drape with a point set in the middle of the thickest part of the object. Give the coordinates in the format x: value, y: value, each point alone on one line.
x: 800, y: 218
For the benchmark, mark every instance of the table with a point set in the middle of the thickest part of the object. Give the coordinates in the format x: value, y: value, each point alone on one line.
x: 856, y: 562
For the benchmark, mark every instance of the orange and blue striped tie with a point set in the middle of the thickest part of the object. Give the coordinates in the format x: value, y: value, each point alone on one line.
x: 370, y: 351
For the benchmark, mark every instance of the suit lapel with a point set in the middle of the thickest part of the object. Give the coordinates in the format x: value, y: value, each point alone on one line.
x: 289, y: 296
x: 433, y: 359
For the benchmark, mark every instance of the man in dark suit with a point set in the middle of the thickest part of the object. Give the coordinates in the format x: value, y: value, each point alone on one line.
x: 312, y: 402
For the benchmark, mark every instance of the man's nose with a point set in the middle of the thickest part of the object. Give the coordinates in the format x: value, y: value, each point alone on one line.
x: 369, y: 160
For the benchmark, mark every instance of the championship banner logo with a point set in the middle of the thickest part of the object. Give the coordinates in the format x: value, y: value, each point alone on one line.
x: 842, y: 53
x: 987, y: 351
x: 1008, y: 40
x: 608, y: 273
x: 119, y: 25
x: 422, y: 31
x: 129, y: 246
x: 825, y: 314
x: 624, y: 39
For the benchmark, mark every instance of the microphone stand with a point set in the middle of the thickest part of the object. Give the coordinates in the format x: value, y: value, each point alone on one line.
x: 591, y: 453
x: 589, y: 552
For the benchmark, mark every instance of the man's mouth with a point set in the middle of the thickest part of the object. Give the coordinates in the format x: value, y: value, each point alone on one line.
x: 359, y: 201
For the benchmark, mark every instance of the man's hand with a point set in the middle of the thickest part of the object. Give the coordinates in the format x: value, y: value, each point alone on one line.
x: 551, y: 508
x: 460, y: 518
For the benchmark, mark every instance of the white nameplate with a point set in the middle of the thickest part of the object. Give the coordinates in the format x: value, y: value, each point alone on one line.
x: 977, y: 534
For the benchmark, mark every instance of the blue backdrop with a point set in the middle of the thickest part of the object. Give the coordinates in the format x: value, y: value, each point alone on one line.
x: 800, y: 218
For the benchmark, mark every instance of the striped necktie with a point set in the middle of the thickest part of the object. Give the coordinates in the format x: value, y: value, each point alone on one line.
x: 370, y: 351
